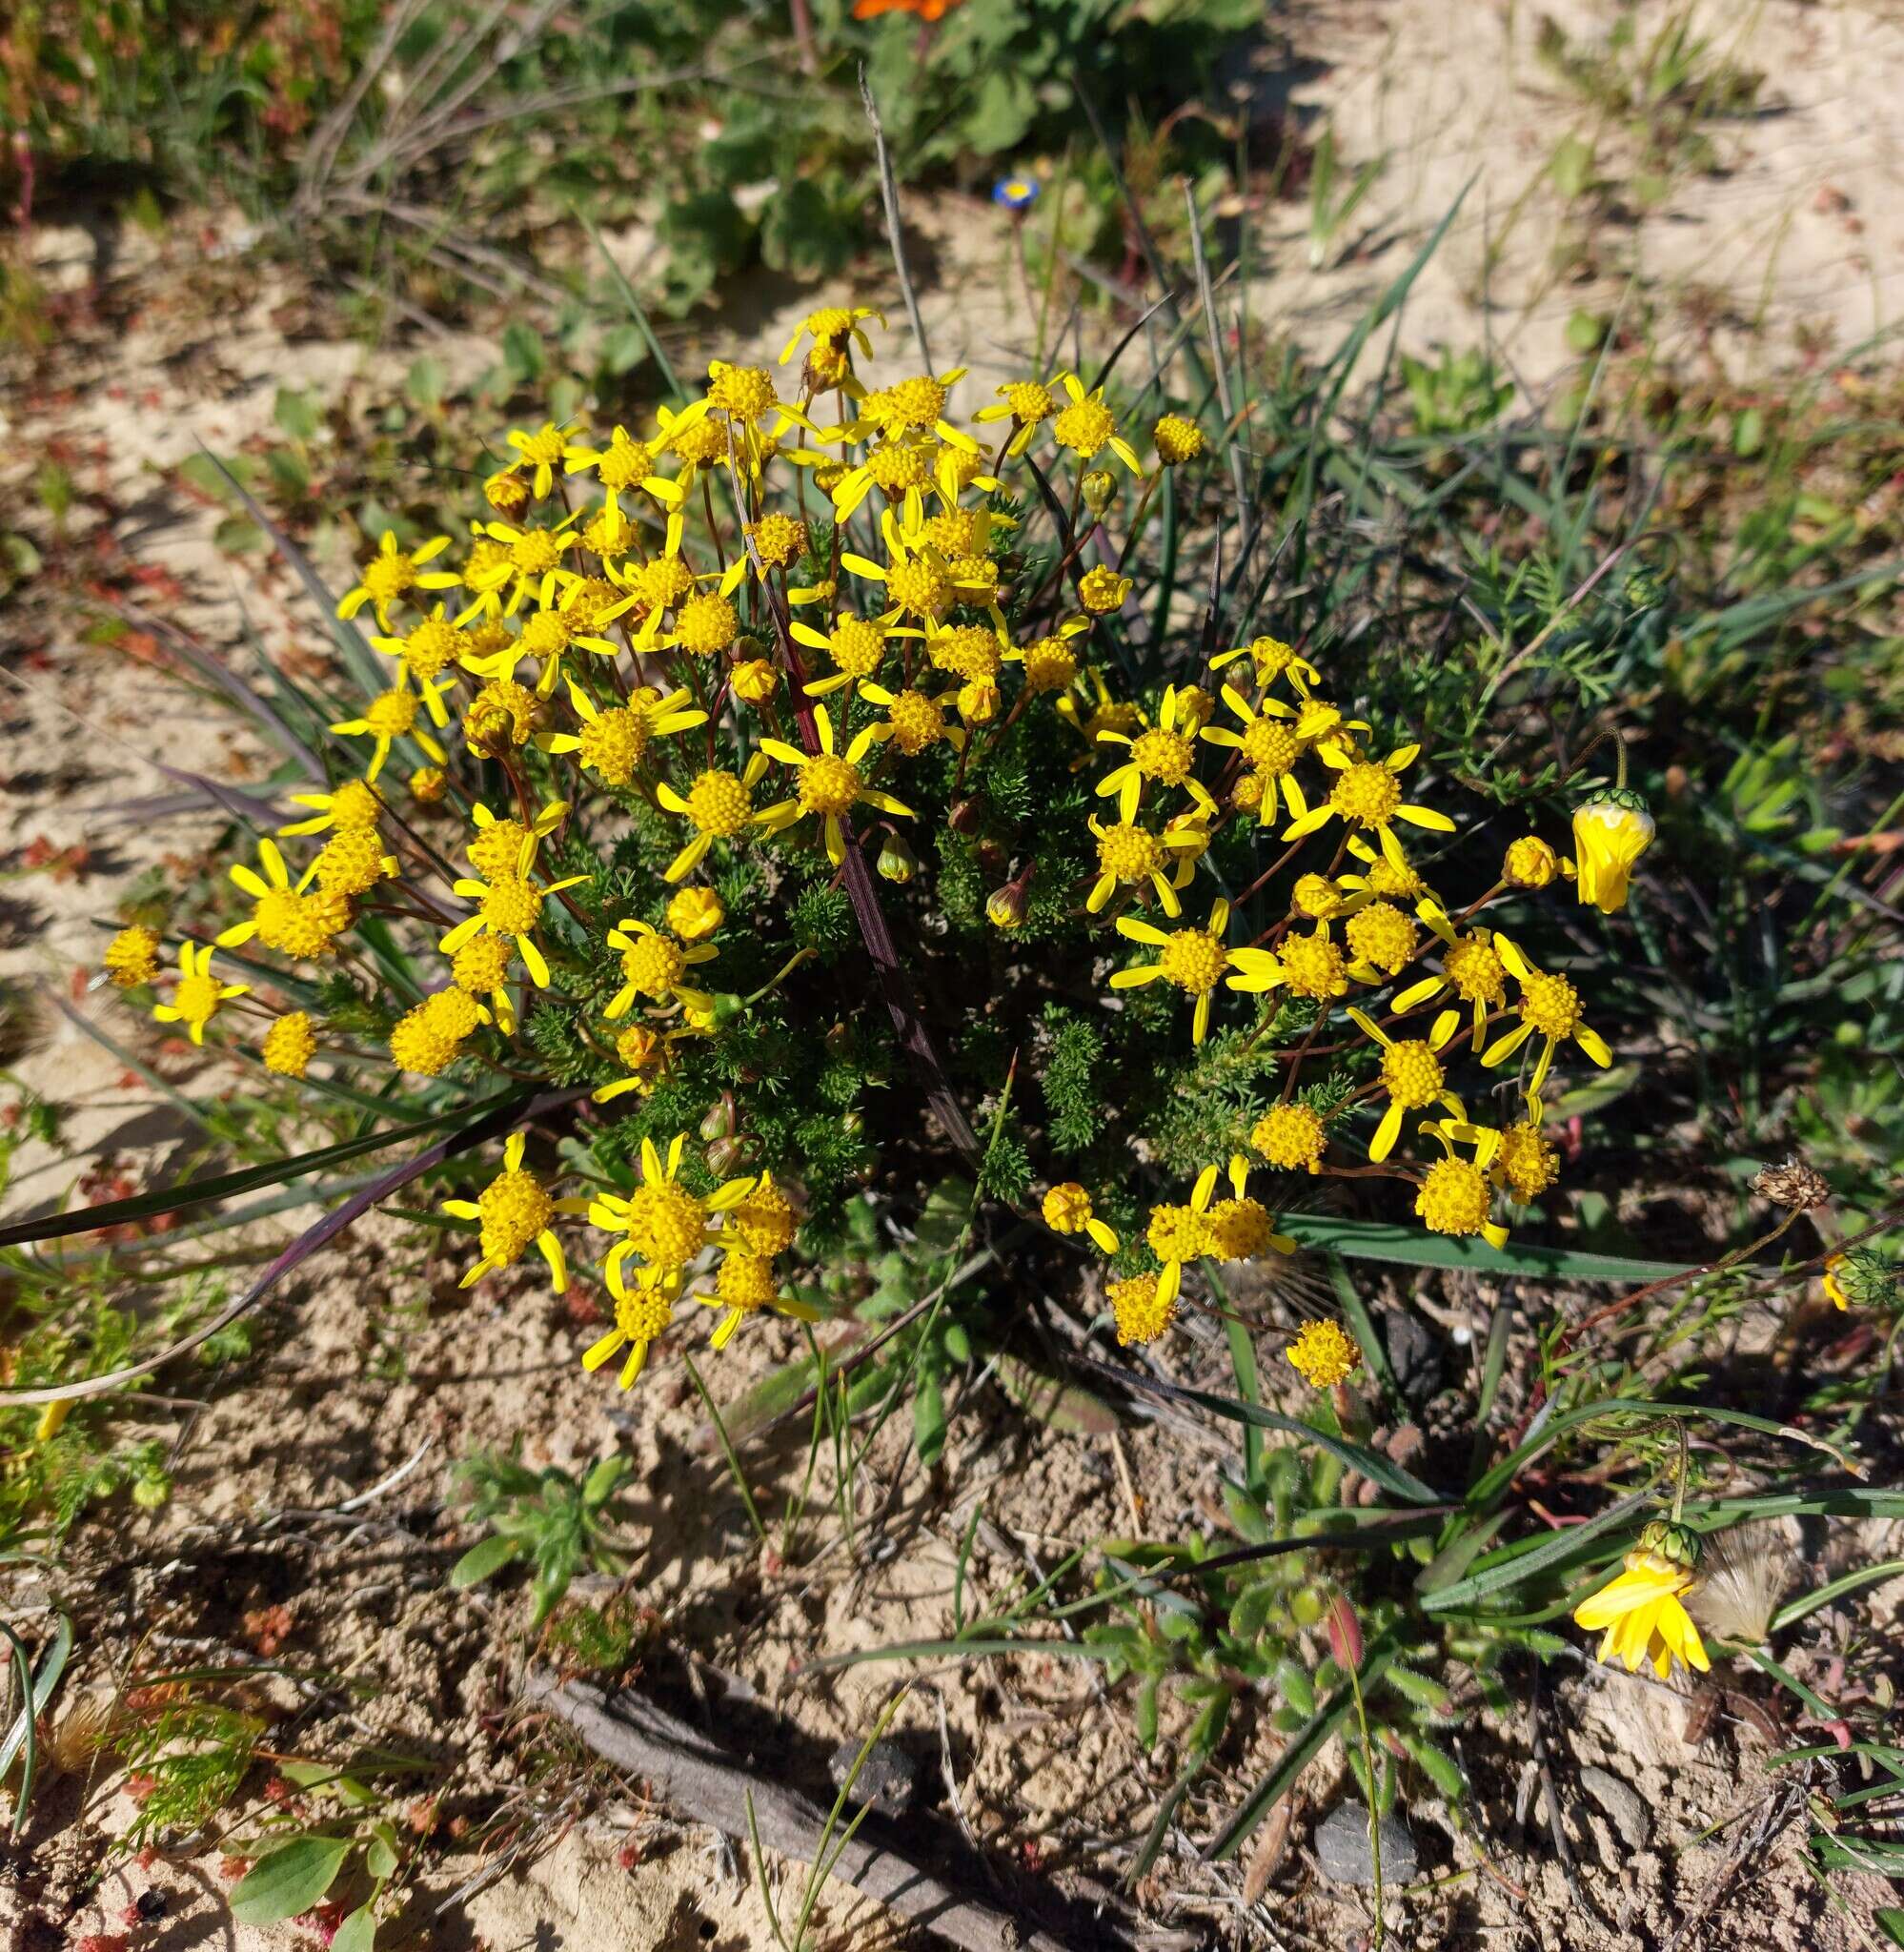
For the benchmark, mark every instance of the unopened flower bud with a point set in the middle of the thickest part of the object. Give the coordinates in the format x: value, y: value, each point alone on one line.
x: 896, y: 861
x: 1099, y: 490
x: 755, y: 680
x: 723, y: 1156
x: 1006, y: 907
x: 1611, y: 832
x: 965, y: 817
x: 719, y: 1124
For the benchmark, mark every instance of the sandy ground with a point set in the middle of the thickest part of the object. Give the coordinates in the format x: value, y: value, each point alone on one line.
x: 1796, y: 231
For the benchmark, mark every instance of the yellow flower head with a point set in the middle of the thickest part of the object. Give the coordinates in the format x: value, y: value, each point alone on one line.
x: 132, y: 957
x: 1290, y: 1137
x: 694, y: 914
x: 289, y: 1045
x: 1641, y: 1615
x: 1143, y: 1309
x: 1177, y: 440
x: 1323, y: 1355
x: 197, y: 995
x: 1530, y: 863
x: 1102, y: 590
x: 1068, y: 1210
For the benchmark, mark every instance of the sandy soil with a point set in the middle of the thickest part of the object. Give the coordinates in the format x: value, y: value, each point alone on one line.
x: 381, y: 1364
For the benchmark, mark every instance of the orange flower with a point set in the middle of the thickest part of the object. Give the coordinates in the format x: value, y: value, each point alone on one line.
x: 926, y: 10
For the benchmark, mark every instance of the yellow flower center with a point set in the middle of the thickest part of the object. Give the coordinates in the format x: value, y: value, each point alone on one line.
x: 706, y: 624
x: 828, y: 784
x: 547, y: 634
x: 132, y: 957
x: 1382, y: 935
x: 433, y: 646
x: 1142, y: 1316
x: 497, y: 848
x: 1240, y: 1229
x: 920, y: 586
x: 613, y: 745
x: 1193, y: 958
x: 535, y: 553
x: 1474, y: 970
x: 912, y: 406
x: 917, y: 722
x: 1289, y: 1137
x: 667, y: 1223
x: 1527, y: 1161
x: 1551, y: 1005
x: 1178, y: 1233
x: 765, y: 1222
x: 195, y: 998
x: 1323, y: 1355
x: 543, y: 448
x: 298, y: 925
x: 663, y: 583
x: 387, y: 576
x: 744, y: 392
x: 1453, y: 1198
x: 1366, y: 794
x: 354, y: 805
x: 642, y: 1313
x: 899, y: 466
x: 1177, y: 440
x: 511, y: 906
x: 350, y: 861
x: 857, y: 646
x: 1312, y: 965
x: 391, y: 713
x: 625, y: 463
x: 719, y: 804
x: 1029, y: 402
x: 514, y: 1209
x: 968, y: 650
x: 481, y: 963
x: 1050, y: 665
x: 1129, y: 853
x: 956, y: 531
x: 1269, y: 748
x: 653, y: 965
x: 1083, y: 427
x: 779, y: 538
x: 289, y: 1046
x: 1412, y: 1073
x: 1162, y: 755
x: 745, y: 1281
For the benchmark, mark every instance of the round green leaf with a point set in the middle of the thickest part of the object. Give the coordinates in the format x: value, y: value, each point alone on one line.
x: 291, y: 1880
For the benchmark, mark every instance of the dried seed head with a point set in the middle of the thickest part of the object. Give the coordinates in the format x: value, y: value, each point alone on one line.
x: 1744, y: 1575
x: 1794, y: 1186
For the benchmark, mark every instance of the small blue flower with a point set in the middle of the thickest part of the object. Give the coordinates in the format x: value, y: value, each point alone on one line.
x: 1016, y: 192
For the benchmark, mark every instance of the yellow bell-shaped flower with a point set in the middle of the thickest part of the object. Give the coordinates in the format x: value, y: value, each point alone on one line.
x: 1609, y: 834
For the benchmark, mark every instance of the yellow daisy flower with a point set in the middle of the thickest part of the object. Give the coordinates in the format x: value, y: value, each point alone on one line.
x: 1412, y: 1077
x: 391, y: 714
x: 615, y: 741
x: 1193, y: 959
x: 514, y: 1210
x: 1166, y: 753
x: 393, y: 573
x: 1368, y: 793
x: 1550, y: 1006
x: 507, y: 904
x: 719, y: 807
x: 830, y: 784
x: 197, y: 994
x: 1641, y: 1614
x: 656, y: 964
x: 1128, y: 856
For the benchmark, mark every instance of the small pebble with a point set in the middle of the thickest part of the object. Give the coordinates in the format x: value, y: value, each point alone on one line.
x: 1341, y: 1847
x: 1625, y: 1807
x: 888, y: 1779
